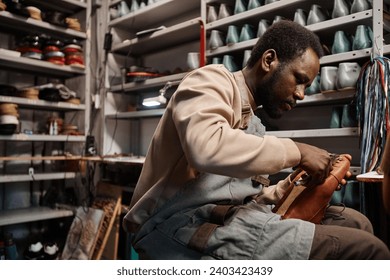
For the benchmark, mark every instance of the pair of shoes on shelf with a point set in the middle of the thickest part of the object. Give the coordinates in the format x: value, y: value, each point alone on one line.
x: 38, y: 251
x: 343, y: 116
x: 344, y: 42
x: 343, y: 76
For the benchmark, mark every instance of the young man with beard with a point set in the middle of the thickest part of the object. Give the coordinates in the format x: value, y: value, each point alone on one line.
x: 209, y: 146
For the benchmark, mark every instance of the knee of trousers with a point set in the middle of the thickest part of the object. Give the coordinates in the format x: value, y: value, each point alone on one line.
x: 347, y: 217
x: 337, y: 242
x: 358, y: 220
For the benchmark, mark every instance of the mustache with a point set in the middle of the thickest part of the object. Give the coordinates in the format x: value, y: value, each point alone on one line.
x: 292, y: 104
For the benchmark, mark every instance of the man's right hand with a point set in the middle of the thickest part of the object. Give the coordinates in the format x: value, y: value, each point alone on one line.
x: 315, y: 161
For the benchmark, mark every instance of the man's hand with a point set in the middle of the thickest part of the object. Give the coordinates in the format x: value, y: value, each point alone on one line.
x: 315, y: 161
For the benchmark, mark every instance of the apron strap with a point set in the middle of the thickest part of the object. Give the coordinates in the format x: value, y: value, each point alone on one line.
x: 246, y: 109
x: 260, y: 180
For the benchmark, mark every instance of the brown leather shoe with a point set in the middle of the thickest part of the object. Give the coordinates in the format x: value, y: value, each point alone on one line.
x: 309, y: 203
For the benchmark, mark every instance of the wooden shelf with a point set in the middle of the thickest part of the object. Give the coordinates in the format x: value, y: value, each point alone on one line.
x: 171, y: 36
x: 370, y: 177
x: 316, y: 133
x: 39, y: 67
x: 138, y: 114
x: 153, y: 14
x: 355, y: 170
x: 42, y: 137
x: 347, y: 23
x: 18, y: 23
x: 67, y: 6
x: 124, y: 160
x: 284, y: 8
x: 33, y: 158
x: 328, y: 97
x: 42, y: 104
x: 36, y: 177
x: 147, y: 84
x: 32, y: 214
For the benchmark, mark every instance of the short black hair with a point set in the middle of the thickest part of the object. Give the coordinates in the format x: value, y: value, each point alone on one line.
x: 289, y: 39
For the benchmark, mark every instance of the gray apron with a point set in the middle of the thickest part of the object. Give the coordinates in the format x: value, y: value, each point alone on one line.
x: 216, y: 217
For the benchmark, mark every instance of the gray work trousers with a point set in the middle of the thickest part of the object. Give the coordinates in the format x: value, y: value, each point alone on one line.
x: 346, y: 234
x: 343, y: 234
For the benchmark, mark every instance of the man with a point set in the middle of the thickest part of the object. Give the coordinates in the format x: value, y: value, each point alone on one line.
x: 198, y: 196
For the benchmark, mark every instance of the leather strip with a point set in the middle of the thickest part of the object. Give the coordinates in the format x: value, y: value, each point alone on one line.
x: 201, y: 236
x: 220, y: 213
x: 261, y: 180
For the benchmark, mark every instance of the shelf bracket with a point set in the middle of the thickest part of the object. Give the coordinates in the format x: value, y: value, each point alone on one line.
x: 377, y: 28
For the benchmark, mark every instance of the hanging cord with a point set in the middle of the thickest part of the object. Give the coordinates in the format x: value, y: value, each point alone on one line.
x: 372, y: 105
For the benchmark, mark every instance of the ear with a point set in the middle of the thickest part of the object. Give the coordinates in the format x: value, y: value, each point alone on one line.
x: 268, y: 60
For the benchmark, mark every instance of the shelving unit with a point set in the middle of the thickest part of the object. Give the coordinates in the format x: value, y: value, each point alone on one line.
x: 32, y: 149
x: 325, y: 30
x: 128, y: 45
x: 176, y: 28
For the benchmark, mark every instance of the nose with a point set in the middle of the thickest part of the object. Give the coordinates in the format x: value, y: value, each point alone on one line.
x: 299, y: 92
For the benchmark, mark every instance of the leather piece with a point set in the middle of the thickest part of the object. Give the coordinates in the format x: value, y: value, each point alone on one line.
x: 309, y: 203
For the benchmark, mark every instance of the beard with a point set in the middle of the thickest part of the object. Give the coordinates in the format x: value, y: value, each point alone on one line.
x: 269, y: 101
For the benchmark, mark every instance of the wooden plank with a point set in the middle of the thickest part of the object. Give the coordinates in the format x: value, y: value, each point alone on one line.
x: 110, y: 251
x: 108, y: 192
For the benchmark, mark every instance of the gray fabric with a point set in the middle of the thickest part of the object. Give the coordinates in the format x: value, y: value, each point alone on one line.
x: 253, y: 232
x: 346, y: 234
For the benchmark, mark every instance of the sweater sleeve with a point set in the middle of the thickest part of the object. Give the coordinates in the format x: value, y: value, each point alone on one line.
x: 273, y: 193
x: 206, y: 113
